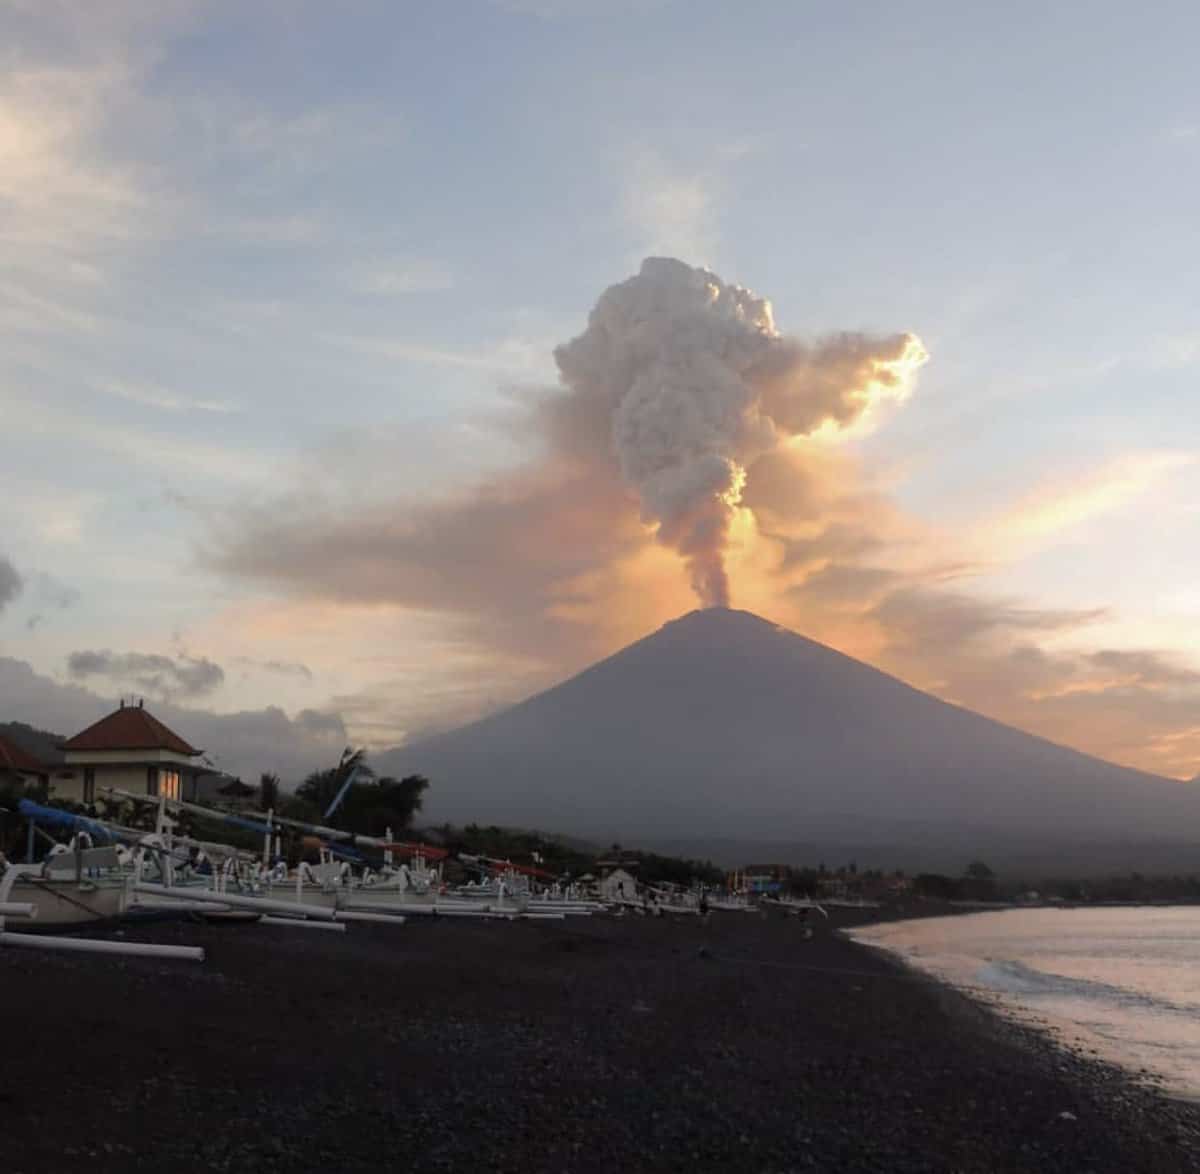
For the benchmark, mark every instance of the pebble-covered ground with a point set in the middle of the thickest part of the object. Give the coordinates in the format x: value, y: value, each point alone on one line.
x: 601, y: 1044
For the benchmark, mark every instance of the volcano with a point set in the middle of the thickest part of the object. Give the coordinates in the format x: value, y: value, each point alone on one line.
x: 723, y: 734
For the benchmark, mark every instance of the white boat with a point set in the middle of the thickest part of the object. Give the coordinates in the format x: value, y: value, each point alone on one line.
x: 395, y: 890
x: 75, y: 884
x: 59, y: 903
x: 734, y: 903
x: 797, y: 905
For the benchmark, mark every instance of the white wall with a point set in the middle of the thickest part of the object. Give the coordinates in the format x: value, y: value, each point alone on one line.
x: 128, y: 777
x: 76, y: 758
x: 123, y: 776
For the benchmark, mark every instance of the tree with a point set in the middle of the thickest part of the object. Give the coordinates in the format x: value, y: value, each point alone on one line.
x: 385, y: 803
x: 321, y: 787
x: 932, y: 884
x: 293, y: 807
x: 979, y: 881
x: 370, y: 805
x: 268, y: 792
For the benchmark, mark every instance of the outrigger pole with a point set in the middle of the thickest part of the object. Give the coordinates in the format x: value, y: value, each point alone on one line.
x: 265, y: 822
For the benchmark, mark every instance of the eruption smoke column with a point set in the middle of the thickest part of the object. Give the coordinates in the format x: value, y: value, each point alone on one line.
x: 697, y: 383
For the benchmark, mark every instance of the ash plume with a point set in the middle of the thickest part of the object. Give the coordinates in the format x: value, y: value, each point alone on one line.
x: 694, y: 382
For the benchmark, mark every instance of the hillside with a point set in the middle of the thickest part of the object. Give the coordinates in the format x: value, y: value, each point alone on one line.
x: 722, y: 727
x: 42, y: 744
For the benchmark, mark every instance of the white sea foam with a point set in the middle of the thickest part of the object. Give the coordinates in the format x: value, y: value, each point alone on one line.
x: 1123, y: 982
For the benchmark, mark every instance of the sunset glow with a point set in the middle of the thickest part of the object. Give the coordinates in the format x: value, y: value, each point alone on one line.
x: 392, y: 450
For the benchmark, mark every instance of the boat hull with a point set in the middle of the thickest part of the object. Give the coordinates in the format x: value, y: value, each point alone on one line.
x: 59, y: 903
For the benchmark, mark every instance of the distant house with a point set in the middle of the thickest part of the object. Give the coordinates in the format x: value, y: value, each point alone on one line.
x: 17, y: 765
x: 762, y: 882
x: 132, y: 750
x: 222, y: 790
x: 618, y: 885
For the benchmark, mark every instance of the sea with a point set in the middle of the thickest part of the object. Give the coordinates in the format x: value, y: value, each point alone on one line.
x: 1123, y: 983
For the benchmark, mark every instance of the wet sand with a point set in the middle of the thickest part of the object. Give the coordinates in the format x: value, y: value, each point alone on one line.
x: 599, y: 1044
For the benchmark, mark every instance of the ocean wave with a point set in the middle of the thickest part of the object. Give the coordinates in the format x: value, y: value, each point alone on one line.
x: 1019, y: 978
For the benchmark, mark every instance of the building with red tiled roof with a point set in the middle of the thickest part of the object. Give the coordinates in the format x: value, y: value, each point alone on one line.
x: 18, y: 765
x: 131, y: 750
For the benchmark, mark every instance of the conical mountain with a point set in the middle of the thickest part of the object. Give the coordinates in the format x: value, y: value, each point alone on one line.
x: 724, y: 727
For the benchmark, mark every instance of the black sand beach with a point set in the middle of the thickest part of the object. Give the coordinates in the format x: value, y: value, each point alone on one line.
x: 591, y: 1045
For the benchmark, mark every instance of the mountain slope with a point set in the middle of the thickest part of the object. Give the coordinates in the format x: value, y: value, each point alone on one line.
x: 722, y: 725
x: 42, y: 744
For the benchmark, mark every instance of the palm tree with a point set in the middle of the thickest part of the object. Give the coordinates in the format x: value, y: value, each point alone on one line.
x: 321, y: 787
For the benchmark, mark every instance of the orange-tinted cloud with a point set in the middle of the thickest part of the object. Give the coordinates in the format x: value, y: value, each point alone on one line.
x: 550, y: 566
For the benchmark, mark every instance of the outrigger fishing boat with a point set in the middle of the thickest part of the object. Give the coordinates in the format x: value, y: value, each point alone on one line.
x: 799, y: 906
x: 392, y: 891
x: 79, y: 882
x: 60, y: 899
x: 732, y: 903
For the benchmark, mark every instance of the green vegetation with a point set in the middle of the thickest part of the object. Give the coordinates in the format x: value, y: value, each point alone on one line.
x: 371, y: 805
x: 555, y: 855
x: 1132, y: 887
x: 561, y: 856
x: 652, y: 869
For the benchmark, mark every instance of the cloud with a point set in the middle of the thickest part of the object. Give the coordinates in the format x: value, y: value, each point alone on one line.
x: 671, y: 212
x: 177, y: 456
x: 516, y: 357
x: 103, y: 154
x: 1142, y: 668
x: 55, y: 189
x: 280, y: 668
x: 327, y: 727
x: 244, y: 743
x: 500, y: 558
x: 542, y: 568
x: 279, y: 228
x: 43, y: 507
x: 690, y: 383
x: 52, y: 592
x: 11, y: 583
x: 159, y: 397
x: 556, y: 10
x: 47, y: 592
x: 23, y: 311
x: 1062, y: 505
x: 456, y: 688
x: 389, y: 279
x: 552, y: 563
x: 918, y: 618
x: 161, y: 676
x: 869, y: 582
x: 1182, y: 132
x: 1133, y: 706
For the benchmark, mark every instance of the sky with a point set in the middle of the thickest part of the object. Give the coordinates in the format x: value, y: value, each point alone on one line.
x: 286, y: 443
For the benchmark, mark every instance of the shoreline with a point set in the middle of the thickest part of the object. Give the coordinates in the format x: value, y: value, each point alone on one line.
x: 1026, y: 1026
x: 637, y: 1043
x: 1069, y: 1034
